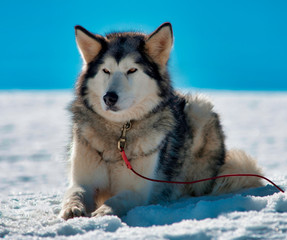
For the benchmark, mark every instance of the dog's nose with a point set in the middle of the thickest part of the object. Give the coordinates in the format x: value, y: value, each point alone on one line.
x: 110, y: 99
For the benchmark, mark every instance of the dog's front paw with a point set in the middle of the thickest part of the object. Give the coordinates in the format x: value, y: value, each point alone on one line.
x: 69, y: 211
x: 104, y: 210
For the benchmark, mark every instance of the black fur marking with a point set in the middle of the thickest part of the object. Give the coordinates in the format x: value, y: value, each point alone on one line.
x: 93, y: 68
x: 170, y: 162
x: 152, y: 70
x: 123, y: 44
x: 88, y: 105
x: 221, y: 155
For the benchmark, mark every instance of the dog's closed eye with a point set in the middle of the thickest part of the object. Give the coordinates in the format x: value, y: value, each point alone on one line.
x: 106, y: 71
x: 132, y: 70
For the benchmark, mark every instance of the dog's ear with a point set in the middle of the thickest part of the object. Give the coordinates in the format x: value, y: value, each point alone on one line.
x: 89, y: 44
x: 159, y: 43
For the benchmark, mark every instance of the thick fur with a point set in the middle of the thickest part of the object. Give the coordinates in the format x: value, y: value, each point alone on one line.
x: 173, y: 137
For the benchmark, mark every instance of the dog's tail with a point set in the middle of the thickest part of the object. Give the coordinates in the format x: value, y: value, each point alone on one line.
x: 237, y: 161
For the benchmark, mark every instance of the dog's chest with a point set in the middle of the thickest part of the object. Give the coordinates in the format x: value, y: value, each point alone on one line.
x: 142, y: 149
x: 121, y: 178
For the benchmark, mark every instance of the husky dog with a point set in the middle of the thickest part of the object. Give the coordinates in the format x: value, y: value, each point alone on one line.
x: 124, y: 93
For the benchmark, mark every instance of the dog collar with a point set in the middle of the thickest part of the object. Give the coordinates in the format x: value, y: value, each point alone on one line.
x: 122, y: 141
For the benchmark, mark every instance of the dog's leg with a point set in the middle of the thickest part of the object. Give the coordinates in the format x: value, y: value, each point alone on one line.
x: 87, y: 175
x: 120, y: 204
x: 76, y: 203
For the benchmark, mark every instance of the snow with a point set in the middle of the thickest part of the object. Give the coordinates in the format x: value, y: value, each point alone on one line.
x: 34, y: 133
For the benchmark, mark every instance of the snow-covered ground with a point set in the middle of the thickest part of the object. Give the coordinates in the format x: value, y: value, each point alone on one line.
x: 34, y: 132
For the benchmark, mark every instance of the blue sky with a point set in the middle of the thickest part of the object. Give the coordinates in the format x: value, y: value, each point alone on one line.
x: 237, y: 45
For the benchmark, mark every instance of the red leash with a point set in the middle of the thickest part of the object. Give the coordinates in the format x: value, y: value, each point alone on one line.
x: 129, y: 166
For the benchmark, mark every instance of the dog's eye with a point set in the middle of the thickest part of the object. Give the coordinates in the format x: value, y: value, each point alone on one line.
x: 132, y: 70
x: 106, y: 71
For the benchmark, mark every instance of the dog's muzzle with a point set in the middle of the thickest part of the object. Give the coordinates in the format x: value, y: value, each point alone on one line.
x: 111, y: 99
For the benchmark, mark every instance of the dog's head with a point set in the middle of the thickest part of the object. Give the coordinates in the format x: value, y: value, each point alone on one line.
x: 124, y: 75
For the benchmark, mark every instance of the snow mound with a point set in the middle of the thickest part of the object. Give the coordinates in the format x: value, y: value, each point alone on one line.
x: 198, y: 208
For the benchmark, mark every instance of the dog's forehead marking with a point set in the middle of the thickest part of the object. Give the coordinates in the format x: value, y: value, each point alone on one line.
x: 124, y: 64
x: 120, y: 47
